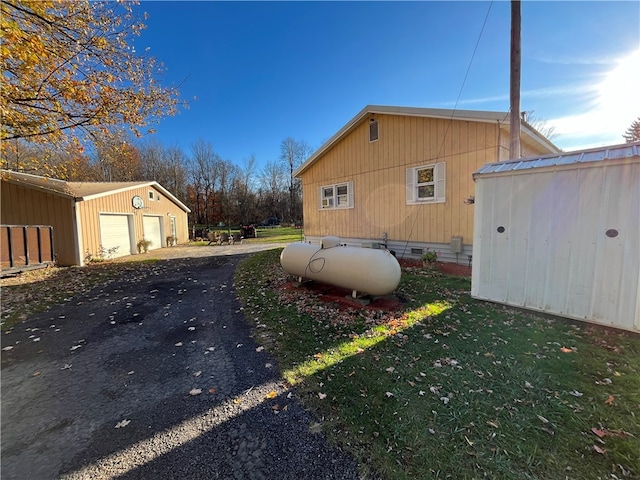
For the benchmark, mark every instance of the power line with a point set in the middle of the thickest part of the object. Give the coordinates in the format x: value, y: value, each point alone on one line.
x: 455, y: 107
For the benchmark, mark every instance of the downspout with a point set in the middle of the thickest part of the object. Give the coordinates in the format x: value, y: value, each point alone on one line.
x: 77, y: 232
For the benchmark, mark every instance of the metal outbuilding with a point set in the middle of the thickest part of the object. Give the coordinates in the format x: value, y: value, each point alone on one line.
x: 561, y: 234
x: 94, y: 219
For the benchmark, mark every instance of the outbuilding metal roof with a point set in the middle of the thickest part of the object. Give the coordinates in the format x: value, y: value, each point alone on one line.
x: 600, y: 154
x: 82, y: 190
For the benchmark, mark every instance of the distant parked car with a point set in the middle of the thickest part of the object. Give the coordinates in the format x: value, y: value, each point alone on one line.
x: 270, y: 222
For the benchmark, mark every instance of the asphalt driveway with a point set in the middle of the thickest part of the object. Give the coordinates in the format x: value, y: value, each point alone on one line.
x: 155, y: 375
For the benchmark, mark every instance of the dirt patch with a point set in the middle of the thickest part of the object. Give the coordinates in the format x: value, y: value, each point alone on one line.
x: 341, y: 297
x: 447, y: 268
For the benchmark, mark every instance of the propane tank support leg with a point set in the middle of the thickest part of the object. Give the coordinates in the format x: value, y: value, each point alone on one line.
x: 361, y: 299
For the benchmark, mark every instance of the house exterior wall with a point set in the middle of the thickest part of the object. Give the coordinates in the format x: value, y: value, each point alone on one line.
x: 121, y: 203
x: 569, y: 244
x: 378, y: 172
x: 28, y: 206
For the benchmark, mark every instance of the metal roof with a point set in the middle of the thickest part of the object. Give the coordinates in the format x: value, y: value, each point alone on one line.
x: 578, y: 157
x: 502, y: 118
x: 82, y: 190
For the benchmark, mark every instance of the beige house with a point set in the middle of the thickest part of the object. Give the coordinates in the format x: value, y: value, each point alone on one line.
x: 92, y: 219
x: 403, y: 177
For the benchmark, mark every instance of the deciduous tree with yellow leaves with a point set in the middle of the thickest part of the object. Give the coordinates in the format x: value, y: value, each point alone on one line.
x: 70, y: 68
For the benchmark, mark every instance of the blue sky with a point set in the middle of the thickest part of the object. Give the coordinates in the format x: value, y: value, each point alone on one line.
x: 255, y: 73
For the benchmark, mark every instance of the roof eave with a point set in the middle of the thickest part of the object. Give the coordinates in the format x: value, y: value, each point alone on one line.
x: 154, y: 184
x: 464, y: 115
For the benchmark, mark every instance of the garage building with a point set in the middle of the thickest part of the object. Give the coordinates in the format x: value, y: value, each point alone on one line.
x: 94, y: 219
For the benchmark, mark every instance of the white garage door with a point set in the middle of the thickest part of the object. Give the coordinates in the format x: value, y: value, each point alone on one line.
x: 115, y: 235
x: 152, y: 231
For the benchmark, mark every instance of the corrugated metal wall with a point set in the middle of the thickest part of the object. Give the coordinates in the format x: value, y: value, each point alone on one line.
x: 564, y: 241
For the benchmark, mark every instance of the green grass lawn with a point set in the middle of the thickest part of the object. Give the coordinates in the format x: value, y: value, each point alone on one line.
x: 270, y: 235
x: 452, y: 387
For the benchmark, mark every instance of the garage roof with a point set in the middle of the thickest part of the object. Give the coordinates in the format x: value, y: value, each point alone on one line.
x: 578, y: 157
x: 81, y: 191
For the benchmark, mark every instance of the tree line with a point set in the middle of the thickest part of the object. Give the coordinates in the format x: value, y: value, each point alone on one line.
x: 217, y: 191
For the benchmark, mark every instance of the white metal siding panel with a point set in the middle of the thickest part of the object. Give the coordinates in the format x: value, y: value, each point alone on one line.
x: 556, y: 238
x: 519, y: 227
x: 538, y: 246
x: 616, y: 273
x: 115, y: 235
x: 152, y: 231
x: 498, y: 252
x: 583, y: 252
x: 482, y: 238
x: 563, y: 192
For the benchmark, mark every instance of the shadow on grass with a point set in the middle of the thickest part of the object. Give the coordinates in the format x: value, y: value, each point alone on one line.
x: 465, y: 389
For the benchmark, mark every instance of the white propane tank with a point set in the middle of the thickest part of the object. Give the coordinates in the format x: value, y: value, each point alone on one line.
x: 365, y: 270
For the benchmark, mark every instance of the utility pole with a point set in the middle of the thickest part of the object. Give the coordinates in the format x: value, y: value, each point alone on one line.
x: 514, y: 143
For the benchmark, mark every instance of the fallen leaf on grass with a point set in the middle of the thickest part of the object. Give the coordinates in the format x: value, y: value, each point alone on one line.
x: 599, y: 450
x: 566, y: 350
x: 322, y: 396
x: 542, y: 419
x: 611, y: 400
x: 601, y: 433
x: 389, y: 394
x: 259, y: 349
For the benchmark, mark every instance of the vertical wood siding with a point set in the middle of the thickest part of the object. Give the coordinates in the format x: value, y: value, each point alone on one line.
x: 120, y: 203
x: 26, y: 206
x: 378, y: 172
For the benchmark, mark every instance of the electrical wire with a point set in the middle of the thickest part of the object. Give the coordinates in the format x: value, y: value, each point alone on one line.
x: 484, y: 23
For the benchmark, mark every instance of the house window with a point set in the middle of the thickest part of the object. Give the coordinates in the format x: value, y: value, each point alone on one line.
x: 336, y: 196
x: 426, y: 184
x: 373, y: 130
x: 151, y: 195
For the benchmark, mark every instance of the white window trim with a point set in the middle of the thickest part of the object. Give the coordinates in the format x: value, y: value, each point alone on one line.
x: 332, y: 202
x: 439, y: 178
